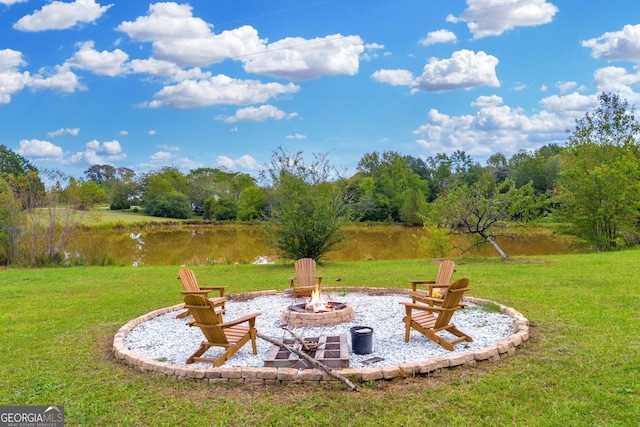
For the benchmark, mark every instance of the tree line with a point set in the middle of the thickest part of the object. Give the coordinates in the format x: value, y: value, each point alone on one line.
x: 589, y: 185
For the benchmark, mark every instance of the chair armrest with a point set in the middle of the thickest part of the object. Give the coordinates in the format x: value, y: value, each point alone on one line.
x: 424, y: 298
x: 429, y: 308
x: 218, y: 302
x: 220, y: 289
x: 415, y: 283
x: 200, y: 292
x: 239, y: 320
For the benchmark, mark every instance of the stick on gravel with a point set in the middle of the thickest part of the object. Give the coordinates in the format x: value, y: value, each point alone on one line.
x: 313, y: 361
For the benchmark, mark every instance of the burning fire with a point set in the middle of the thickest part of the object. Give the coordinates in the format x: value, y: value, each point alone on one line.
x: 315, y: 303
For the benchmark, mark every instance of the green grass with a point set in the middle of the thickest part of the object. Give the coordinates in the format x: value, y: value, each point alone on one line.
x: 581, y: 365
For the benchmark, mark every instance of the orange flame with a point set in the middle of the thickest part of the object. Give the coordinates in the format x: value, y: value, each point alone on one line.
x: 315, y: 303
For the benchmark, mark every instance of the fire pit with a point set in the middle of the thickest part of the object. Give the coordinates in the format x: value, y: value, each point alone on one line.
x: 316, y: 313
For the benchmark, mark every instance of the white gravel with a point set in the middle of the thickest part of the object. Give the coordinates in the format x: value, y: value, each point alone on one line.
x: 168, y: 339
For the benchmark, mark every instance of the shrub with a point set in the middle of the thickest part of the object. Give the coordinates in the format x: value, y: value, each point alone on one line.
x: 220, y: 210
x: 169, y: 205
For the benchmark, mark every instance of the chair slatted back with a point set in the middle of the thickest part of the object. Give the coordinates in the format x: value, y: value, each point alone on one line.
x: 445, y: 272
x: 305, y: 272
x: 188, y: 279
x: 451, y: 301
x: 206, y: 318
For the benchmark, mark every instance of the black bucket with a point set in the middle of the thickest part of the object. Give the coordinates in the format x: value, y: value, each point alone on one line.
x: 361, y: 339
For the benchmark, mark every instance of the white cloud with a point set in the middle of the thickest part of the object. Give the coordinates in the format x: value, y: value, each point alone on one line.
x: 166, y: 20
x: 184, y: 163
x: 439, y: 36
x: 170, y: 70
x: 394, y: 77
x: 571, y: 106
x: 218, y: 90
x: 245, y: 162
x: 152, y: 132
x: 10, y: 2
x: 98, y: 153
x: 618, y: 80
x: 257, y: 114
x: 58, y: 78
x: 499, y: 128
x: 11, y: 80
x: 464, y: 70
x: 160, y: 157
x: 371, y: 51
x: 230, y: 44
x: 297, y: 59
x: 566, y: 86
x: 494, y: 17
x: 487, y: 101
x: 179, y: 37
x: 64, y: 131
x: 59, y: 15
x: 167, y: 147
x: 40, y: 150
x: 104, y: 63
x: 123, y: 132
x: 297, y: 136
x: 10, y: 59
x: 623, y: 45
x: 164, y: 158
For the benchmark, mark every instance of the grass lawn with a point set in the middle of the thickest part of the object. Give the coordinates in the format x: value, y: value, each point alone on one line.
x: 581, y: 365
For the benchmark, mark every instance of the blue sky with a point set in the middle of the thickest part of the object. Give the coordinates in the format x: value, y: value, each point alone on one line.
x: 224, y: 83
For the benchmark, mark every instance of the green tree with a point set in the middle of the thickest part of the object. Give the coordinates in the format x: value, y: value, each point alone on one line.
x: 83, y: 195
x: 13, y: 164
x: 220, y: 209
x: 307, y: 209
x: 252, y: 203
x: 23, y: 177
x: 389, y: 189
x: 165, y: 194
x: 497, y: 166
x: 477, y: 209
x: 100, y: 174
x: 124, y: 189
x: 541, y: 168
x: 599, y: 190
x: 220, y: 184
x: 171, y: 204
x: 10, y: 226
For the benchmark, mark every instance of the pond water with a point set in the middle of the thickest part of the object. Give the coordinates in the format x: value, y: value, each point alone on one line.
x: 234, y: 243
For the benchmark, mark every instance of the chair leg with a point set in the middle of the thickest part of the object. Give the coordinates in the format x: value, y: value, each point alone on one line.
x: 407, y: 329
x: 457, y: 332
x: 204, y: 346
x: 253, y: 341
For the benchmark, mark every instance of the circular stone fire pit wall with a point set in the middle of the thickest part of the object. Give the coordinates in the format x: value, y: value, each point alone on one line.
x: 298, y: 319
x: 282, y: 376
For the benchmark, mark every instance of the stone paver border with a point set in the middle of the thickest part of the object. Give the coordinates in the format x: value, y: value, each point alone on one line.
x: 283, y: 376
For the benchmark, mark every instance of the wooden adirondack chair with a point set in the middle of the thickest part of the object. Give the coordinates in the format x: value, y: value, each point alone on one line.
x: 188, y: 279
x: 306, y: 280
x: 229, y: 335
x: 434, y: 287
x: 429, y: 320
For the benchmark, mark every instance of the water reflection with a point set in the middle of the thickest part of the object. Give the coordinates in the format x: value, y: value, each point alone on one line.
x: 226, y: 244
